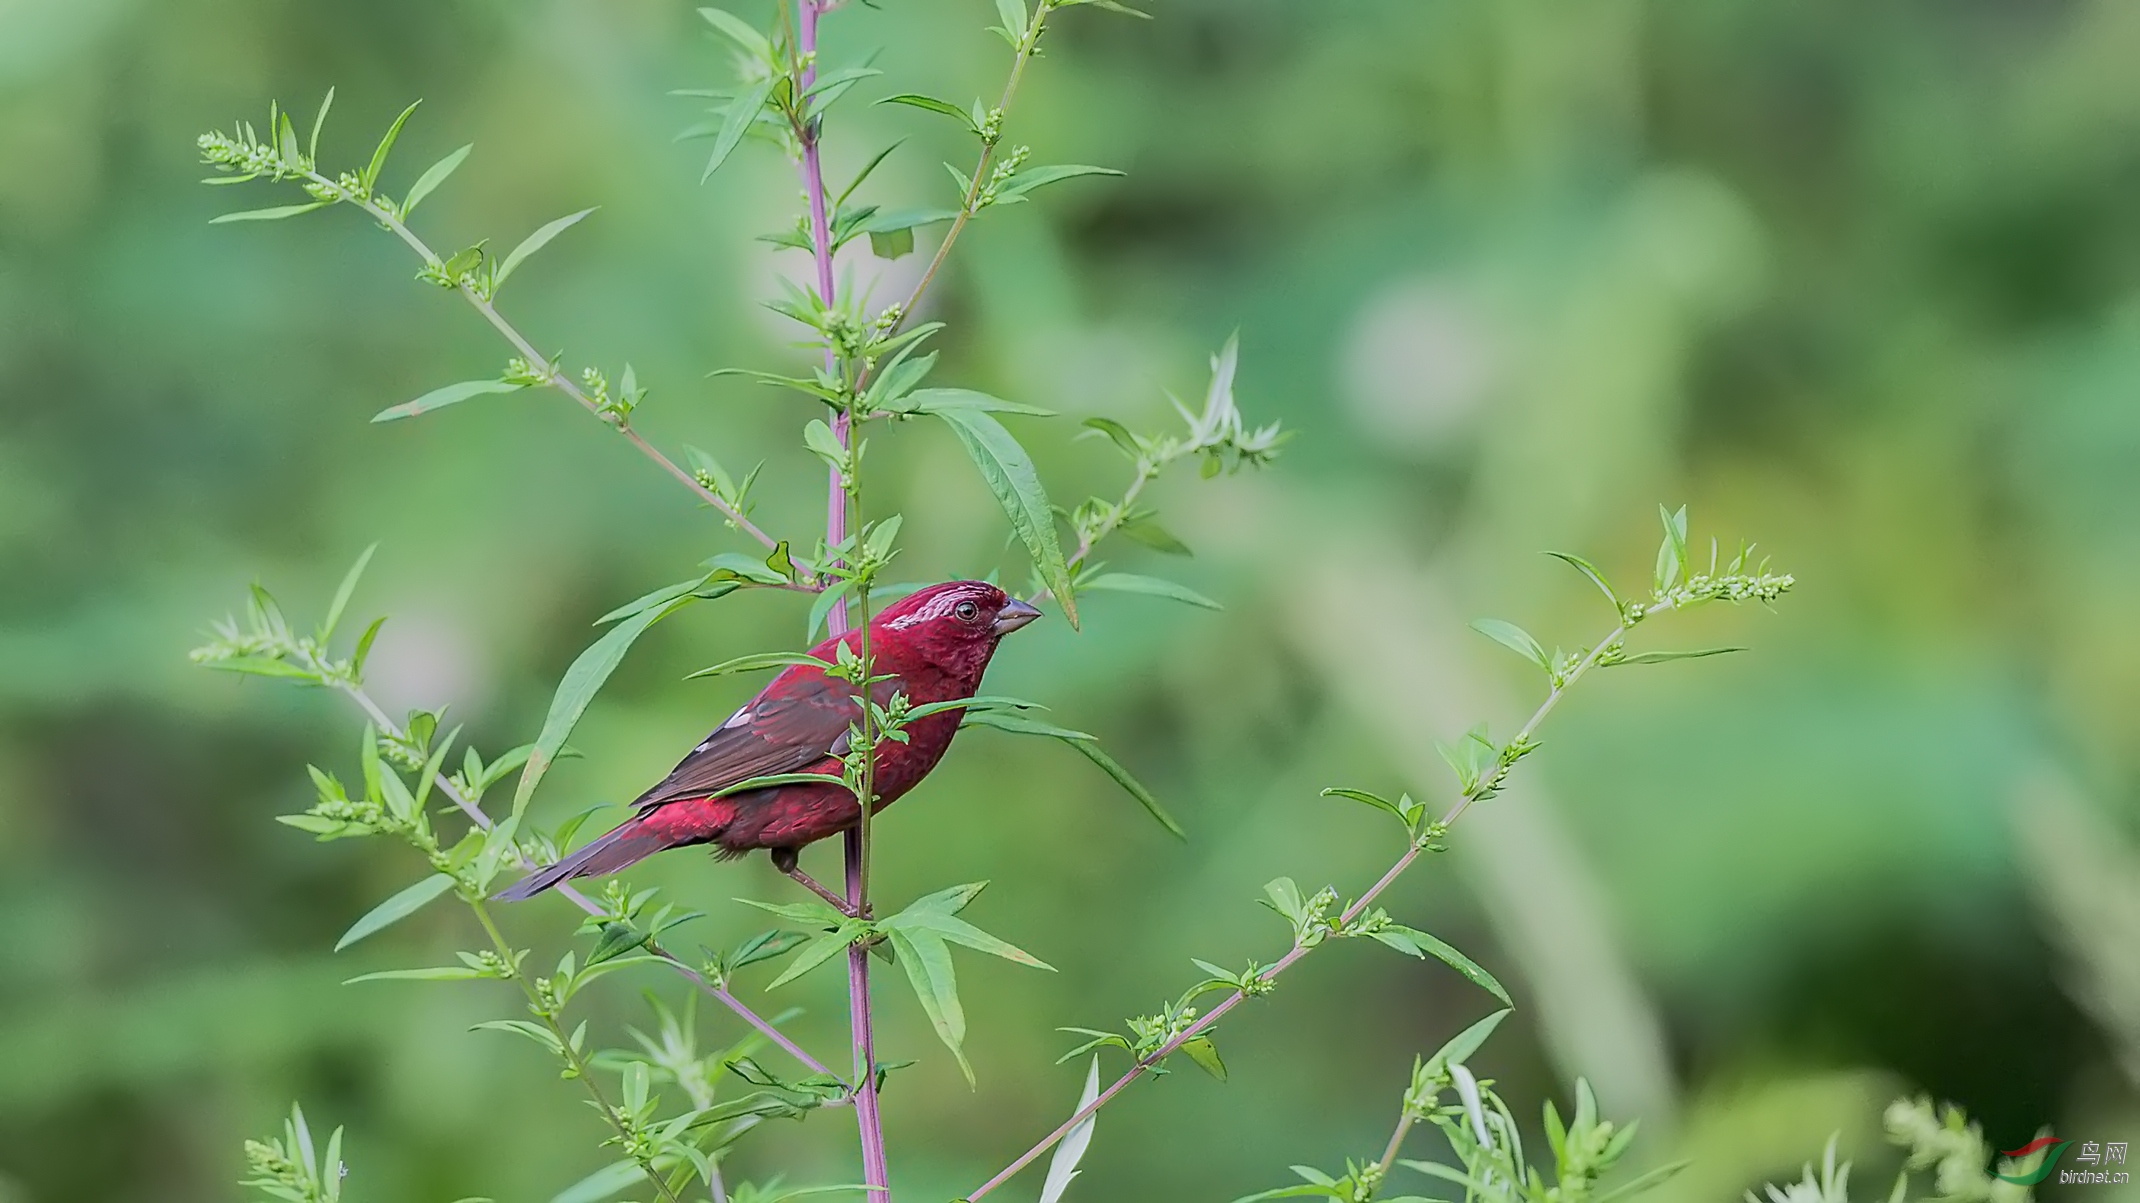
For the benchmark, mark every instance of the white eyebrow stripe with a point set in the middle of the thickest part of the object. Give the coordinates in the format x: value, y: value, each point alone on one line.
x: 935, y: 607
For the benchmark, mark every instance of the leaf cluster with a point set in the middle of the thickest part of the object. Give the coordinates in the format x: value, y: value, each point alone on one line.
x: 917, y: 939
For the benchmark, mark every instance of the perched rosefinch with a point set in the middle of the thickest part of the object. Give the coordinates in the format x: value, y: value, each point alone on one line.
x: 934, y: 645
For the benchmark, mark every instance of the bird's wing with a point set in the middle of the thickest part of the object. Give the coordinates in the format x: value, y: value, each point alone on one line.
x: 795, y: 723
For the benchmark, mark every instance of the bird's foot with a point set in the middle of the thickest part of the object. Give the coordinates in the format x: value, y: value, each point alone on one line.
x: 810, y: 883
x: 789, y: 861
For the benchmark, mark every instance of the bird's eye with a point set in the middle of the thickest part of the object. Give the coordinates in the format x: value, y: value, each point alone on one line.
x: 966, y: 611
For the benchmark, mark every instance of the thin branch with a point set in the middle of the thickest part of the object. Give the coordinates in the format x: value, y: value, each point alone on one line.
x: 1396, y: 1144
x: 970, y: 206
x: 1147, y: 472
x: 468, y: 806
x: 537, y: 360
x: 1205, y: 1021
x: 577, y: 1063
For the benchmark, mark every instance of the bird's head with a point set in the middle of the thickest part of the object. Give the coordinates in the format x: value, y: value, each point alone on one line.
x: 956, y: 623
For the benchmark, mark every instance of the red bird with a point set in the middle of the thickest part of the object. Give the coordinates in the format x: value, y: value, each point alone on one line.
x: 934, y: 644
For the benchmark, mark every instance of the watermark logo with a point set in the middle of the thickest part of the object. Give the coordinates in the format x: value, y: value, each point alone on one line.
x: 2093, y: 1154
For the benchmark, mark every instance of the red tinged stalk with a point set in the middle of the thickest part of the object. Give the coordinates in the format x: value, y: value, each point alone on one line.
x: 933, y: 646
x: 876, y: 1169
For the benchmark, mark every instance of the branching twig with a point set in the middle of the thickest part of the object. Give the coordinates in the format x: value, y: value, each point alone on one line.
x: 1483, y: 788
x: 990, y: 137
x: 535, y: 360
x: 571, y: 1054
x: 720, y: 993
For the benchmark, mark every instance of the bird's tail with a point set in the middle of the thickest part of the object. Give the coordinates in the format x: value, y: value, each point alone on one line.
x: 630, y: 842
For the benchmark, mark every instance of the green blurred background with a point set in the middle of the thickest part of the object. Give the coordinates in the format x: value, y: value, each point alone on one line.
x: 1859, y: 279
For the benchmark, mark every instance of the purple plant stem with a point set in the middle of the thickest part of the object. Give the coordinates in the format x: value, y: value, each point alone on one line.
x: 862, y: 1029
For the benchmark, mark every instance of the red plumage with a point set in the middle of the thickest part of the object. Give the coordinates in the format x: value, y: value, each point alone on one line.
x: 934, y: 644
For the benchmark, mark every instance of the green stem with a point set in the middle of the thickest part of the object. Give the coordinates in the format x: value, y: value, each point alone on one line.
x: 1545, y: 708
x: 535, y: 359
x: 720, y: 993
x: 1359, y: 907
x: 626, y: 1129
x: 969, y: 206
x: 1389, y: 1154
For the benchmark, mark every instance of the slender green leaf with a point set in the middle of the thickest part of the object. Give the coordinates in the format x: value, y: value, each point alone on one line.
x: 1668, y: 657
x: 958, y: 931
x: 601, y: 1184
x: 667, y: 593
x: 775, y: 569
x: 868, y: 169
x: 772, y: 779
x: 757, y: 661
x: 1672, y: 552
x: 832, y: 85
x: 432, y: 177
x: 261, y: 666
x: 347, y: 589
x: 1144, y: 797
x: 812, y: 913
x: 740, y: 32
x: 1648, y: 1180
x: 982, y: 702
x: 1010, y: 475
x: 821, y: 609
x: 764, y: 947
x: 1206, y: 1054
x: 1118, y: 434
x: 439, y: 398
x: 1152, y: 586
x: 937, y: 400
x: 1514, y: 638
x: 535, y: 242
x: 1413, y: 942
x: 820, y: 949
x: 891, y: 244
x: 1308, y: 1191
x: 577, y: 689
x: 277, y: 213
x: 444, y: 973
x: 1154, y: 536
x: 742, y: 111
x: 1284, y: 895
x: 1114, y: 6
x: 395, y: 909
x: 1374, y: 800
x: 364, y: 645
x: 933, y: 105
x: 887, y: 220
x: 1590, y: 571
x: 312, y: 145
x: 898, y: 378
x: 1015, y: 188
x: 928, y: 968
x: 1018, y: 724
x: 386, y: 146
x: 1435, y: 1169
x: 949, y: 901
x: 1014, y: 16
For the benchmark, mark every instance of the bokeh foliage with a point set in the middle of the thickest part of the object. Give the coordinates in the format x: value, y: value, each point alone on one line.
x: 1858, y: 279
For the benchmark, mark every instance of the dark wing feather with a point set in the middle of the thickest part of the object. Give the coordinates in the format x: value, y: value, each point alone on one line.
x: 795, y: 723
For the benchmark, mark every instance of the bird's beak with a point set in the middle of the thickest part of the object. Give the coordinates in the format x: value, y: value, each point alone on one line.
x: 1013, y: 615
